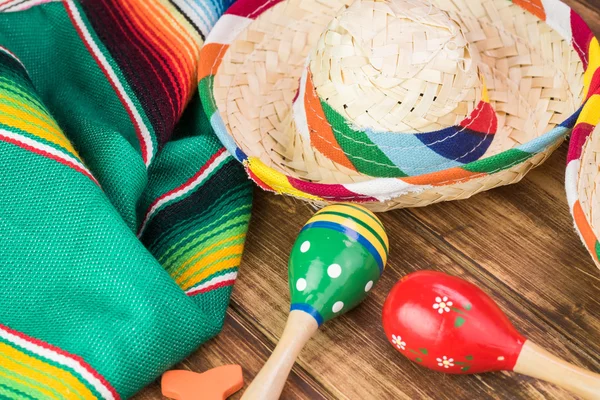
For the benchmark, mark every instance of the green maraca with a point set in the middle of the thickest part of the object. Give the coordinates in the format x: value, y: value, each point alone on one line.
x: 336, y: 260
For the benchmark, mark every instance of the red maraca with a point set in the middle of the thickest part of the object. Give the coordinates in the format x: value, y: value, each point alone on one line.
x: 450, y: 325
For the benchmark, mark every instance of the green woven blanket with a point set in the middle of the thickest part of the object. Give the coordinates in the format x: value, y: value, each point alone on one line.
x: 122, y: 218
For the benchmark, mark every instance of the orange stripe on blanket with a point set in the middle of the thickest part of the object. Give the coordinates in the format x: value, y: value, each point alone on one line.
x: 169, y: 42
x: 585, y: 229
x: 194, y: 258
x: 219, y: 261
x: 533, y: 6
x: 211, y: 56
x: 178, y: 32
x: 183, y: 28
x: 27, y: 123
x: 321, y: 135
x: 157, y: 33
x: 441, y: 178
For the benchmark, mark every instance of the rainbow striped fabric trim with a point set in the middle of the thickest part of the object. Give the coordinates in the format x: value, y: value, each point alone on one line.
x: 32, y: 369
x: 391, y: 154
x: 395, y: 182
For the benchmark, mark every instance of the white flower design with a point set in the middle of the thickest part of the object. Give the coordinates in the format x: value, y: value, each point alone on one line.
x: 445, y: 362
x: 397, y: 340
x: 442, y: 304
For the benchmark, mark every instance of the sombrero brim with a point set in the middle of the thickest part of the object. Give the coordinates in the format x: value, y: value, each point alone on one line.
x: 225, y: 86
x: 583, y: 176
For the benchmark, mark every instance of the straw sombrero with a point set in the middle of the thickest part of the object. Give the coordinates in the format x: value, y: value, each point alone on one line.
x: 394, y: 103
x: 583, y: 176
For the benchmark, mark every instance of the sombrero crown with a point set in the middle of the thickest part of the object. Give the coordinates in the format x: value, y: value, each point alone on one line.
x: 394, y: 103
x: 392, y: 90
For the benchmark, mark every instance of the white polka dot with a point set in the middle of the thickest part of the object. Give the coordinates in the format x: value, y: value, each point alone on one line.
x: 368, y: 286
x: 301, y: 284
x: 305, y: 247
x: 334, y: 270
x: 501, y: 358
x: 337, y: 307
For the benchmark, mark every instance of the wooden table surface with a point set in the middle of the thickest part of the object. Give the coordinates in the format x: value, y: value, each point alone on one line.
x: 517, y: 243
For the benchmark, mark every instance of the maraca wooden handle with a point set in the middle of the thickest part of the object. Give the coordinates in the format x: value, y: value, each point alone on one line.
x: 269, y: 382
x: 337, y: 258
x: 536, y: 362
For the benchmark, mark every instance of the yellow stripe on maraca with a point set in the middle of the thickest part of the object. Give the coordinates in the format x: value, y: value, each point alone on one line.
x: 362, y: 214
x: 351, y: 224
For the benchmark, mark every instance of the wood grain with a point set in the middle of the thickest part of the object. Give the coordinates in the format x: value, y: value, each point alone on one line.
x: 517, y: 243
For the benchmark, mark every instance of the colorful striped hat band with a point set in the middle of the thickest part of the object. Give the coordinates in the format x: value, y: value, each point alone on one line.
x: 394, y: 103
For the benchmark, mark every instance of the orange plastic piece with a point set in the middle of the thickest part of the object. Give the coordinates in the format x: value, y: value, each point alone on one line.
x: 215, y: 384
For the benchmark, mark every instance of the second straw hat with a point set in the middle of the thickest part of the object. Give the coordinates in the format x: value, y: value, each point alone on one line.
x: 393, y: 103
x: 582, y: 177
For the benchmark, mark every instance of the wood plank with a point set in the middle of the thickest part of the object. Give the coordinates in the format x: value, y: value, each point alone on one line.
x: 357, y: 338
